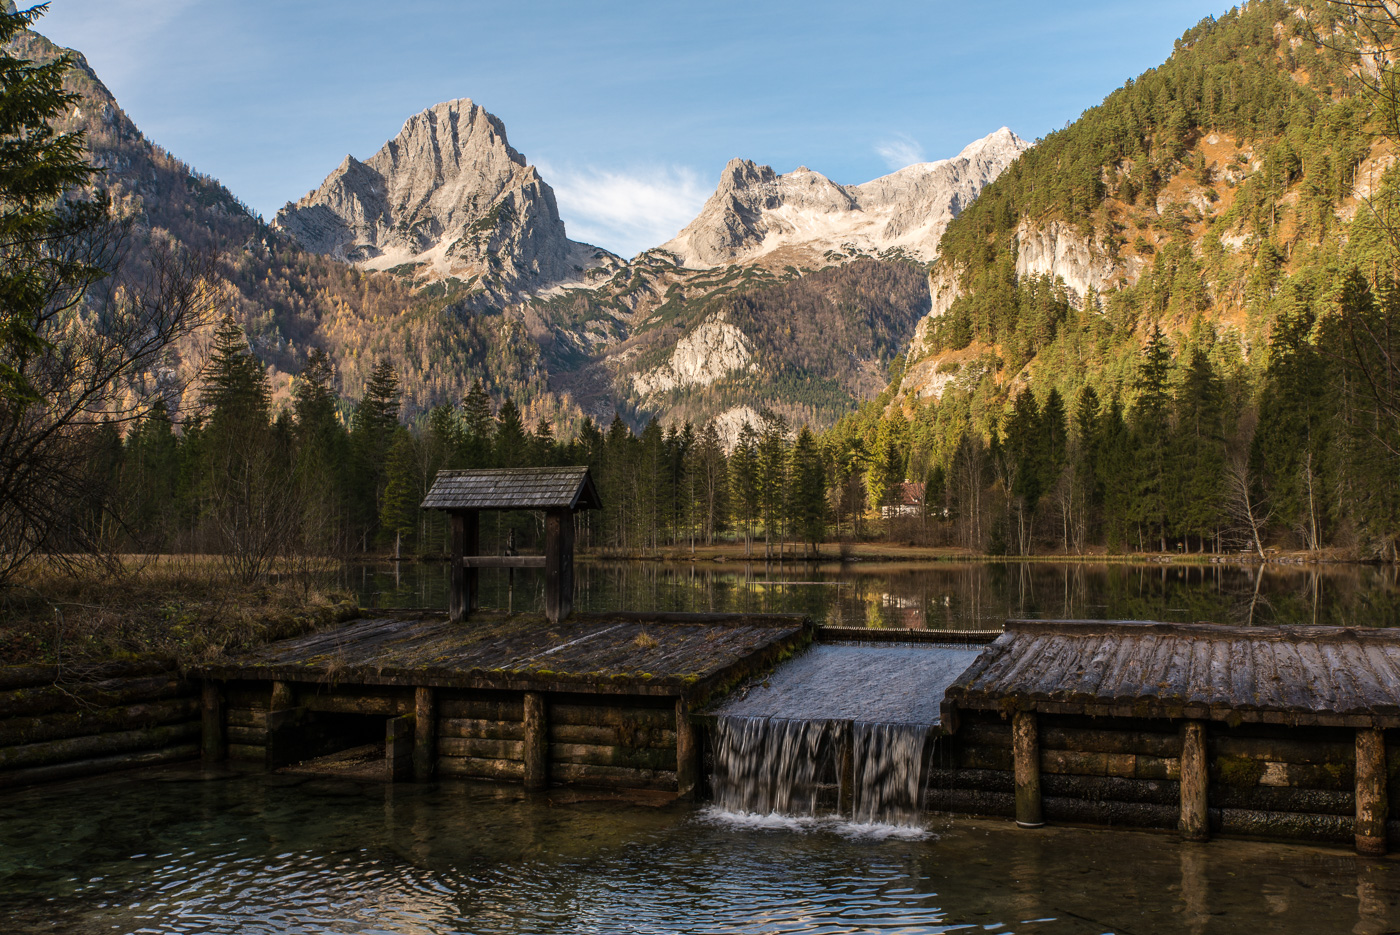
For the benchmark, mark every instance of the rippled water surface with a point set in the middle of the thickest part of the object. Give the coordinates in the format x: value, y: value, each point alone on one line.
x: 163, y: 851
x: 958, y: 595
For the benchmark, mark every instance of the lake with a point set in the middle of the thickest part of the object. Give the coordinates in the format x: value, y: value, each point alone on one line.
x: 958, y: 595
x: 162, y: 851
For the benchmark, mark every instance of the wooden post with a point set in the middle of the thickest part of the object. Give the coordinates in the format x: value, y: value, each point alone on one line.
x: 558, y: 564
x: 456, y: 574
x: 214, y: 748
x: 424, y: 734
x: 1195, y: 783
x: 282, y: 696
x: 1025, y: 754
x: 687, y: 751
x: 536, y: 743
x: 399, y: 735
x: 471, y: 545
x: 1371, y: 801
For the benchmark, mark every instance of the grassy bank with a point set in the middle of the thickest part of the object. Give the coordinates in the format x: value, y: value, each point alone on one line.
x: 185, y: 608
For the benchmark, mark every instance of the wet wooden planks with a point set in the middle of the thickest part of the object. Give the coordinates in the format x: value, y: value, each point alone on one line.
x: 1329, y: 676
x: 626, y: 653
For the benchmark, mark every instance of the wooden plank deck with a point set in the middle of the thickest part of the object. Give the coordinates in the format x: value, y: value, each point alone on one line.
x: 679, y: 655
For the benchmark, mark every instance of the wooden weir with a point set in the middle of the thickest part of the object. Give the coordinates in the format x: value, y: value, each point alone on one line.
x: 558, y: 492
x: 599, y: 699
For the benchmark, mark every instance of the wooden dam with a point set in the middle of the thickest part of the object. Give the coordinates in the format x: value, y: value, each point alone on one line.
x: 1281, y: 732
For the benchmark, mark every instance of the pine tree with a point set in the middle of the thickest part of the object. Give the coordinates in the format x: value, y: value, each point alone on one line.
x: 1151, y: 438
x: 398, y: 517
x: 744, y: 484
x: 372, y: 429
x: 808, y: 489
x: 478, y: 428
x: 1198, y: 453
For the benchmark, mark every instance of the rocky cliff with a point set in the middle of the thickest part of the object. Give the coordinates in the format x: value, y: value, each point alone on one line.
x: 449, y: 196
x: 755, y: 211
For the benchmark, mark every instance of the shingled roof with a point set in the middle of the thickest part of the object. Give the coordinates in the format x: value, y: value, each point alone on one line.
x: 513, y: 489
x: 1331, y: 676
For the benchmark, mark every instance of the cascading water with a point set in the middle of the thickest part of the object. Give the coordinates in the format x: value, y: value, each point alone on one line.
x: 841, y: 730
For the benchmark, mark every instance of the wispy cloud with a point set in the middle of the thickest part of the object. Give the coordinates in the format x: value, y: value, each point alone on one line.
x: 625, y: 211
x: 903, y: 150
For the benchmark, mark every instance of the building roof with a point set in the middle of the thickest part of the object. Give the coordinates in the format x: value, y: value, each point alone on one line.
x: 1332, y: 676
x: 513, y: 489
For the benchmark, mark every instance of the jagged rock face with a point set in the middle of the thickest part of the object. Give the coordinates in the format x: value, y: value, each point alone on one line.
x: 755, y: 211
x: 448, y: 193
x: 709, y: 353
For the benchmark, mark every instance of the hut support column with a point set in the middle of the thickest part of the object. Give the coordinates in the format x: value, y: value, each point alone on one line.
x: 558, y: 564
x: 1371, y: 800
x: 424, y: 734
x: 1195, y: 782
x: 536, y: 743
x: 214, y: 746
x: 282, y: 696
x: 466, y: 540
x: 687, y: 751
x: 1025, y: 752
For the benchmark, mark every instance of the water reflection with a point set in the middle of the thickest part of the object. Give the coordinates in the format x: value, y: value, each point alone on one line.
x: 258, y: 854
x: 942, y: 595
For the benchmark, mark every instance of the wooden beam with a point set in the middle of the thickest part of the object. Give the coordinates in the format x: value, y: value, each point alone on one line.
x: 558, y: 564
x: 424, y: 734
x: 503, y: 561
x: 214, y: 747
x: 687, y: 751
x: 282, y: 696
x: 471, y: 546
x: 456, y: 573
x: 1371, y: 800
x: 536, y: 743
x: 1025, y: 757
x: 399, y: 735
x: 1195, y: 783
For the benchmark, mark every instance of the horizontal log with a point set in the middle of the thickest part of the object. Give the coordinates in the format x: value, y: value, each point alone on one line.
x: 255, y: 696
x: 239, y: 734
x: 1113, y: 788
x: 621, y: 776
x: 12, y: 677
x: 98, y: 766
x: 1274, y: 799
x: 984, y: 757
x: 485, y: 709
x: 613, y: 716
x: 1336, y: 829
x: 479, y: 747
x: 502, y: 561
x: 470, y: 767
x: 1245, y: 772
x: 96, y: 745
x: 385, y: 705
x: 1133, y: 742
x: 661, y: 738
x: 1110, y: 812
x: 985, y: 735
x: 246, y: 717
x: 988, y: 780
x: 59, y: 725
x: 1121, y: 765
x: 971, y: 802
x: 486, y: 730
x: 255, y: 752
x: 33, y: 702
x: 601, y: 755
x: 1278, y: 750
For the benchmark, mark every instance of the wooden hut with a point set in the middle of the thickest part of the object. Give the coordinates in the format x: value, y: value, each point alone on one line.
x: 558, y: 492
x: 1281, y: 731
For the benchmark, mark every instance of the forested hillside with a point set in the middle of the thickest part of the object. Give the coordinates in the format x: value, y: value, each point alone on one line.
x: 1170, y: 323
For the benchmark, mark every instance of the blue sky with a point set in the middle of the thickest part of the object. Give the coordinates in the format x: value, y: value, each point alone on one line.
x: 629, y: 109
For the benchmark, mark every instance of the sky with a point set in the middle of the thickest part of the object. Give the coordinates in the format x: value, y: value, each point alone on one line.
x: 629, y: 109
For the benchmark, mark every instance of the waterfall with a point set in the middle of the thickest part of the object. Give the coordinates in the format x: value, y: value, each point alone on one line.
x: 870, y: 773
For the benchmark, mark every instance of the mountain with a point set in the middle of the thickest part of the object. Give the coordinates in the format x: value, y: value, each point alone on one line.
x: 755, y: 211
x: 448, y: 197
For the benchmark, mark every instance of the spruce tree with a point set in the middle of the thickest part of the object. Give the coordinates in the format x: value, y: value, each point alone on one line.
x: 1151, y: 438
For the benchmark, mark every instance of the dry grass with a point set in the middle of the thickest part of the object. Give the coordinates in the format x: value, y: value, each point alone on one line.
x: 184, y: 608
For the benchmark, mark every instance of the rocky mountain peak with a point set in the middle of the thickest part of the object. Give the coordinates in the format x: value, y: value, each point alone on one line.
x: 450, y: 196
x: 755, y: 211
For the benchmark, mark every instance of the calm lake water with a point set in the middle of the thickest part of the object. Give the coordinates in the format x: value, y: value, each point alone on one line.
x: 936, y: 595
x: 161, y: 852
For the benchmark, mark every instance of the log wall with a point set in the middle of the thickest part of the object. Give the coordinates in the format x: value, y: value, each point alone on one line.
x: 1266, y: 780
x: 118, y: 717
